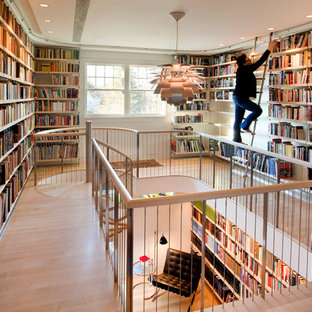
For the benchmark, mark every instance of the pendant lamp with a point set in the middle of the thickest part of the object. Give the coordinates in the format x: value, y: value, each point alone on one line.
x: 177, y: 83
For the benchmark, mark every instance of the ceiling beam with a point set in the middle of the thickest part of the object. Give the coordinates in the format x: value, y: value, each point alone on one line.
x: 81, y: 11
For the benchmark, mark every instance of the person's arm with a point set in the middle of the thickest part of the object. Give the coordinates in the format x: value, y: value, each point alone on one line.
x: 261, y: 60
x: 264, y: 56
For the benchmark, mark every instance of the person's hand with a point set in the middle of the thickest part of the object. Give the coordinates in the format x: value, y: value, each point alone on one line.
x: 272, y: 45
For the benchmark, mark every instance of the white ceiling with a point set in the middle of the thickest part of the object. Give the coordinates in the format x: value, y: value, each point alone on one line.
x: 147, y: 24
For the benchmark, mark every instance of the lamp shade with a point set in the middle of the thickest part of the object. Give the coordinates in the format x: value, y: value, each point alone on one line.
x: 163, y: 240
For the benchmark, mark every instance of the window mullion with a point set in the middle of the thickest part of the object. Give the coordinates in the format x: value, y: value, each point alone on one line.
x: 127, y: 90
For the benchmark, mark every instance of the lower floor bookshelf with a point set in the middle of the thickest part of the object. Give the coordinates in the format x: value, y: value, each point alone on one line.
x: 13, y: 190
x: 235, y: 259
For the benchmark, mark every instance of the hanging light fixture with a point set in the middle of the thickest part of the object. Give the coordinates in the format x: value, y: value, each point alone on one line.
x: 177, y: 82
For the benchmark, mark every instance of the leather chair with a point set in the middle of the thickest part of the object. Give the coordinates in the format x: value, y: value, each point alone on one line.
x: 181, y: 273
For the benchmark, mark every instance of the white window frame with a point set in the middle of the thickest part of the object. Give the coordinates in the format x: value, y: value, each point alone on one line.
x: 126, y: 94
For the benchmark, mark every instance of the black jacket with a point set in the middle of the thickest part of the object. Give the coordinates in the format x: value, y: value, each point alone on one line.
x: 246, y: 84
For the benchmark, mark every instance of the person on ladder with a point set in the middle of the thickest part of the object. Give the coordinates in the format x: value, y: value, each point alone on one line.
x: 246, y: 88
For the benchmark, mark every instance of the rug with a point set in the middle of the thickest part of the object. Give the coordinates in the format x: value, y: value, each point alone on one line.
x: 146, y: 163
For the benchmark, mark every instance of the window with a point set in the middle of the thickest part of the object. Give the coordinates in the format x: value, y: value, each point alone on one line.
x: 122, y: 90
x: 105, y: 89
x: 142, y: 97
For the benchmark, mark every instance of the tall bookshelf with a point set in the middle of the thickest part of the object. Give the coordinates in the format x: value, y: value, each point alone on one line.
x: 57, y: 101
x: 234, y: 259
x: 290, y: 110
x: 190, y: 116
x: 16, y: 111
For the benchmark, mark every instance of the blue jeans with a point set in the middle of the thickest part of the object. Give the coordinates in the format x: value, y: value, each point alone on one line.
x: 241, y: 104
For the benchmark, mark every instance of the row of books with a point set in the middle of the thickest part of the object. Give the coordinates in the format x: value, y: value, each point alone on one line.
x: 13, y: 188
x: 52, y: 139
x: 10, y: 113
x: 219, y: 267
x: 193, y: 60
x: 8, y: 165
x: 293, y: 95
x: 294, y: 60
x: 43, y: 106
x: 8, y: 17
x: 295, y: 41
x: 188, y: 118
x: 235, y: 260
x: 222, y: 83
x: 239, y: 270
x: 221, y: 95
x: 49, y: 120
x: 290, y: 78
x: 11, y: 67
x: 206, y: 60
x: 9, y: 42
x: 267, y: 164
x: 56, y: 93
x: 64, y: 80
x: 302, y: 113
x: 236, y: 241
x: 64, y: 67
x: 201, y: 95
x: 222, y: 70
x: 288, y: 149
x: 9, y: 90
x: 57, y: 53
x: 185, y: 145
x: 192, y: 106
x: 218, y: 285
x: 287, y: 130
x: 221, y: 58
x: 9, y: 137
x: 56, y: 151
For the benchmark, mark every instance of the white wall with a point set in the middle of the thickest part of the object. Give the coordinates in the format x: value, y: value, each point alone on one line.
x: 105, y: 57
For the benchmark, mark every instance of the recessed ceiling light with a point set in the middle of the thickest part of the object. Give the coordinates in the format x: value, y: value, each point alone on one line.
x: 43, y: 5
x: 221, y: 44
x: 50, y: 32
x: 47, y: 21
x: 242, y: 38
x: 270, y: 28
x: 309, y: 16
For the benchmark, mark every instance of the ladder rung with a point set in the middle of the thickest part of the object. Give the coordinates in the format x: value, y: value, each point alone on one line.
x: 258, y: 78
x: 259, y: 91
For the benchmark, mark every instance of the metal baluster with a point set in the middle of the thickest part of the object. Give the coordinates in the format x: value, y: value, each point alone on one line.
x: 264, y: 242
x: 35, y: 160
x: 106, y: 210
x: 138, y: 154
x: 101, y: 195
x: 200, y: 157
x: 129, y: 296
x: 203, y: 252
x: 214, y: 165
x: 115, y: 234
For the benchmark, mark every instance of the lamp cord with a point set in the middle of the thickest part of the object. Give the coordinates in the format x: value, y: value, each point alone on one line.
x: 177, y: 39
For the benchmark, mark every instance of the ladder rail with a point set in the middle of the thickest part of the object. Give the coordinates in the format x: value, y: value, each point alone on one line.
x: 261, y: 88
x: 249, y: 161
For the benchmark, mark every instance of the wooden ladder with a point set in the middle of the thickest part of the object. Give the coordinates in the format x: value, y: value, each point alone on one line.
x: 260, y: 92
x: 261, y: 88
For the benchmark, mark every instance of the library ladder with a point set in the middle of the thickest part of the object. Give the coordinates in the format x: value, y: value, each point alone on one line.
x: 249, y: 155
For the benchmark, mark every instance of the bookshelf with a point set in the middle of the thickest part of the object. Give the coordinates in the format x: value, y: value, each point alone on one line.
x: 17, y: 109
x: 235, y: 258
x: 190, y: 116
x: 57, y: 101
x: 291, y: 97
x: 219, y: 71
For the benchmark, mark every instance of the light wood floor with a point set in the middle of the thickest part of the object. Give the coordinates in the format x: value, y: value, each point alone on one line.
x: 52, y: 256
